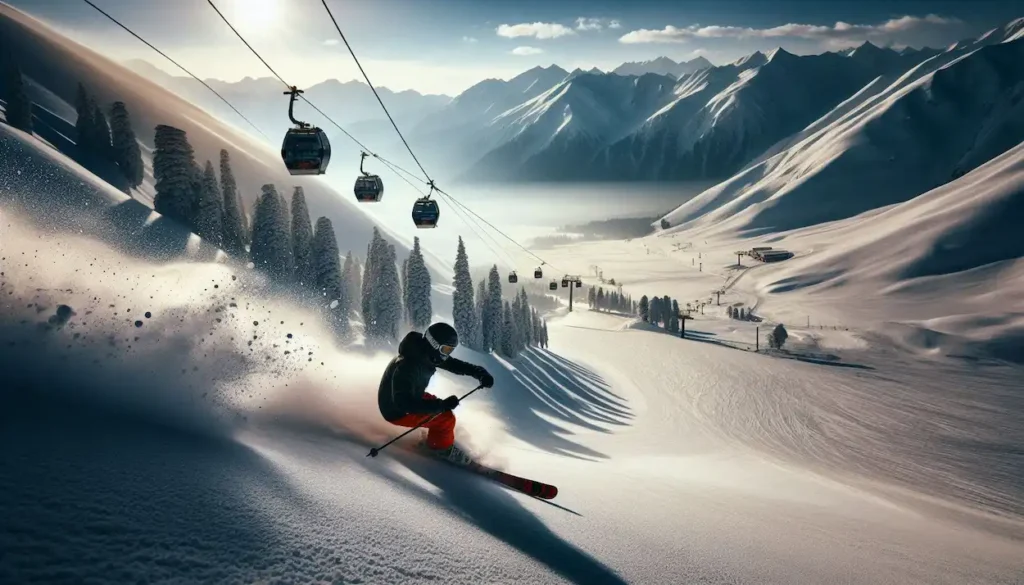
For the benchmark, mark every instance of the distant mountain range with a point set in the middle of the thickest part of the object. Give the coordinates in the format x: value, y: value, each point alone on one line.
x: 657, y: 120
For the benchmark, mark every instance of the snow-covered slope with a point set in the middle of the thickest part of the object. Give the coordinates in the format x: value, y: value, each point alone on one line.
x: 233, y: 449
x: 663, y: 66
x: 946, y: 117
x: 56, y: 65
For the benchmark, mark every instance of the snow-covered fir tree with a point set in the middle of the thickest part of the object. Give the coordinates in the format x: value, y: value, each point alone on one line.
x: 302, y: 241
x: 173, y: 169
x: 271, y: 250
x: 100, y: 142
x: 480, y: 309
x: 492, y: 311
x: 523, y: 320
x: 353, y: 280
x: 591, y: 297
x: 418, y: 282
x: 236, y: 224
x: 124, y: 146
x: 209, y: 214
x: 18, y: 109
x: 535, y: 327
x: 643, y: 308
x: 544, y: 332
x: 404, y: 276
x: 84, y: 127
x: 508, y: 331
x: 464, y: 312
x: 366, y: 289
x: 386, y: 305
x: 329, y: 277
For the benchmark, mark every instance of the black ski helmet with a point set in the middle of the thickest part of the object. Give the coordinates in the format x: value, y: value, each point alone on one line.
x: 443, y: 339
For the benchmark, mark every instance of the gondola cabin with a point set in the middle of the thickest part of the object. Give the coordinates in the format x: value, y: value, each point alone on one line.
x: 513, y: 278
x: 538, y: 273
x: 553, y: 285
x: 369, y: 188
x: 579, y: 284
x: 425, y: 213
x: 306, y: 151
x: 565, y: 283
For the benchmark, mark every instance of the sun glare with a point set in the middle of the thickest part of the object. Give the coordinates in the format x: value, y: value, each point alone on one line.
x: 257, y: 15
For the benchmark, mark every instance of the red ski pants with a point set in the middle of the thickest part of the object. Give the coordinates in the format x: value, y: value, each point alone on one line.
x: 440, y: 429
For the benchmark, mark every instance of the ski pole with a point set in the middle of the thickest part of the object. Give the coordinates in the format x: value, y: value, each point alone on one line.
x: 373, y: 452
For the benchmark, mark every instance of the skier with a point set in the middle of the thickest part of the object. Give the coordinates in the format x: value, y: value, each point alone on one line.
x: 402, y: 397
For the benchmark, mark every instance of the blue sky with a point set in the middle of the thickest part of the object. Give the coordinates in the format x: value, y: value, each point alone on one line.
x: 444, y: 46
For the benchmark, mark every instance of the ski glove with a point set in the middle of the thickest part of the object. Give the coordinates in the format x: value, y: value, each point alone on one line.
x: 484, y: 377
x: 450, y: 403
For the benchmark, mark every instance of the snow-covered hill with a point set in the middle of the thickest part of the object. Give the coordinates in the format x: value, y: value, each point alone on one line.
x: 55, y: 66
x: 663, y: 66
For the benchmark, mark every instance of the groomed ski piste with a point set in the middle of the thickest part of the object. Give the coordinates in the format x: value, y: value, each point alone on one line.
x: 178, y: 423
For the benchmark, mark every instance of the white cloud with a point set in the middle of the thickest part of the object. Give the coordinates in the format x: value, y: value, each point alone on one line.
x: 331, y: 42
x: 540, y: 30
x: 469, y: 39
x: 525, y: 51
x: 589, y: 24
x: 839, y: 31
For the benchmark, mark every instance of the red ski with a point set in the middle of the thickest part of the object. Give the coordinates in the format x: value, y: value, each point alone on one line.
x: 529, y: 487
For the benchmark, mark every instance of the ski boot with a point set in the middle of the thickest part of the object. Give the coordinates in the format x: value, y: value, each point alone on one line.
x: 452, y: 455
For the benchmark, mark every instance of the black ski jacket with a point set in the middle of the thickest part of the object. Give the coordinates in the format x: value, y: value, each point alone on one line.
x: 406, y: 378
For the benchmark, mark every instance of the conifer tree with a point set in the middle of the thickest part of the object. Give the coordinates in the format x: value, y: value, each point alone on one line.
x: 302, y: 241
x: 209, y: 216
x: 508, y: 342
x: 481, y: 310
x: 84, y: 126
x: 387, y: 298
x: 493, y: 312
x: 418, y: 281
x: 124, y: 146
x: 101, y: 140
x: 271, y: 246
x: 236, y: 224
x: 366, y: 290
x: 173, y: 169
x: 464, y: 312
x: 329, y: 278
x: 643, y: 307
x: 353, y: 280
x: 18, y: 110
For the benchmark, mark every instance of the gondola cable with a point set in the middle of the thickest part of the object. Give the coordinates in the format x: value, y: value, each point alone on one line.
x: 178, y: 65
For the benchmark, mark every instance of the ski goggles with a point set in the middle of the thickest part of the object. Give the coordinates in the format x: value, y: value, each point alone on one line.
x: 446, y: 350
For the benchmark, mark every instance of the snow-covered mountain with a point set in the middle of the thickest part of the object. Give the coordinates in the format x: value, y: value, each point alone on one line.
x: 663, y: 66
x: 262, y: 99
x: 719, y: 120
x: 885, y: 145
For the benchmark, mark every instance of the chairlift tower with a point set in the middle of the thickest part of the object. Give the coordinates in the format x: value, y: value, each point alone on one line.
x: 571, y: 282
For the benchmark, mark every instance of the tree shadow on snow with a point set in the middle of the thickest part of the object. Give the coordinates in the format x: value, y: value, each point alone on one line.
x: 543, y: 389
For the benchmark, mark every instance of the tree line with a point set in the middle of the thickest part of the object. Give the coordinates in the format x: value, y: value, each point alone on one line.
x: 282, y: 242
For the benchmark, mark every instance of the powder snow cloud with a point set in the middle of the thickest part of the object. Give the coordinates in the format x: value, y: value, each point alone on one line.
x: 539, y: 30
x: 841, y: 31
